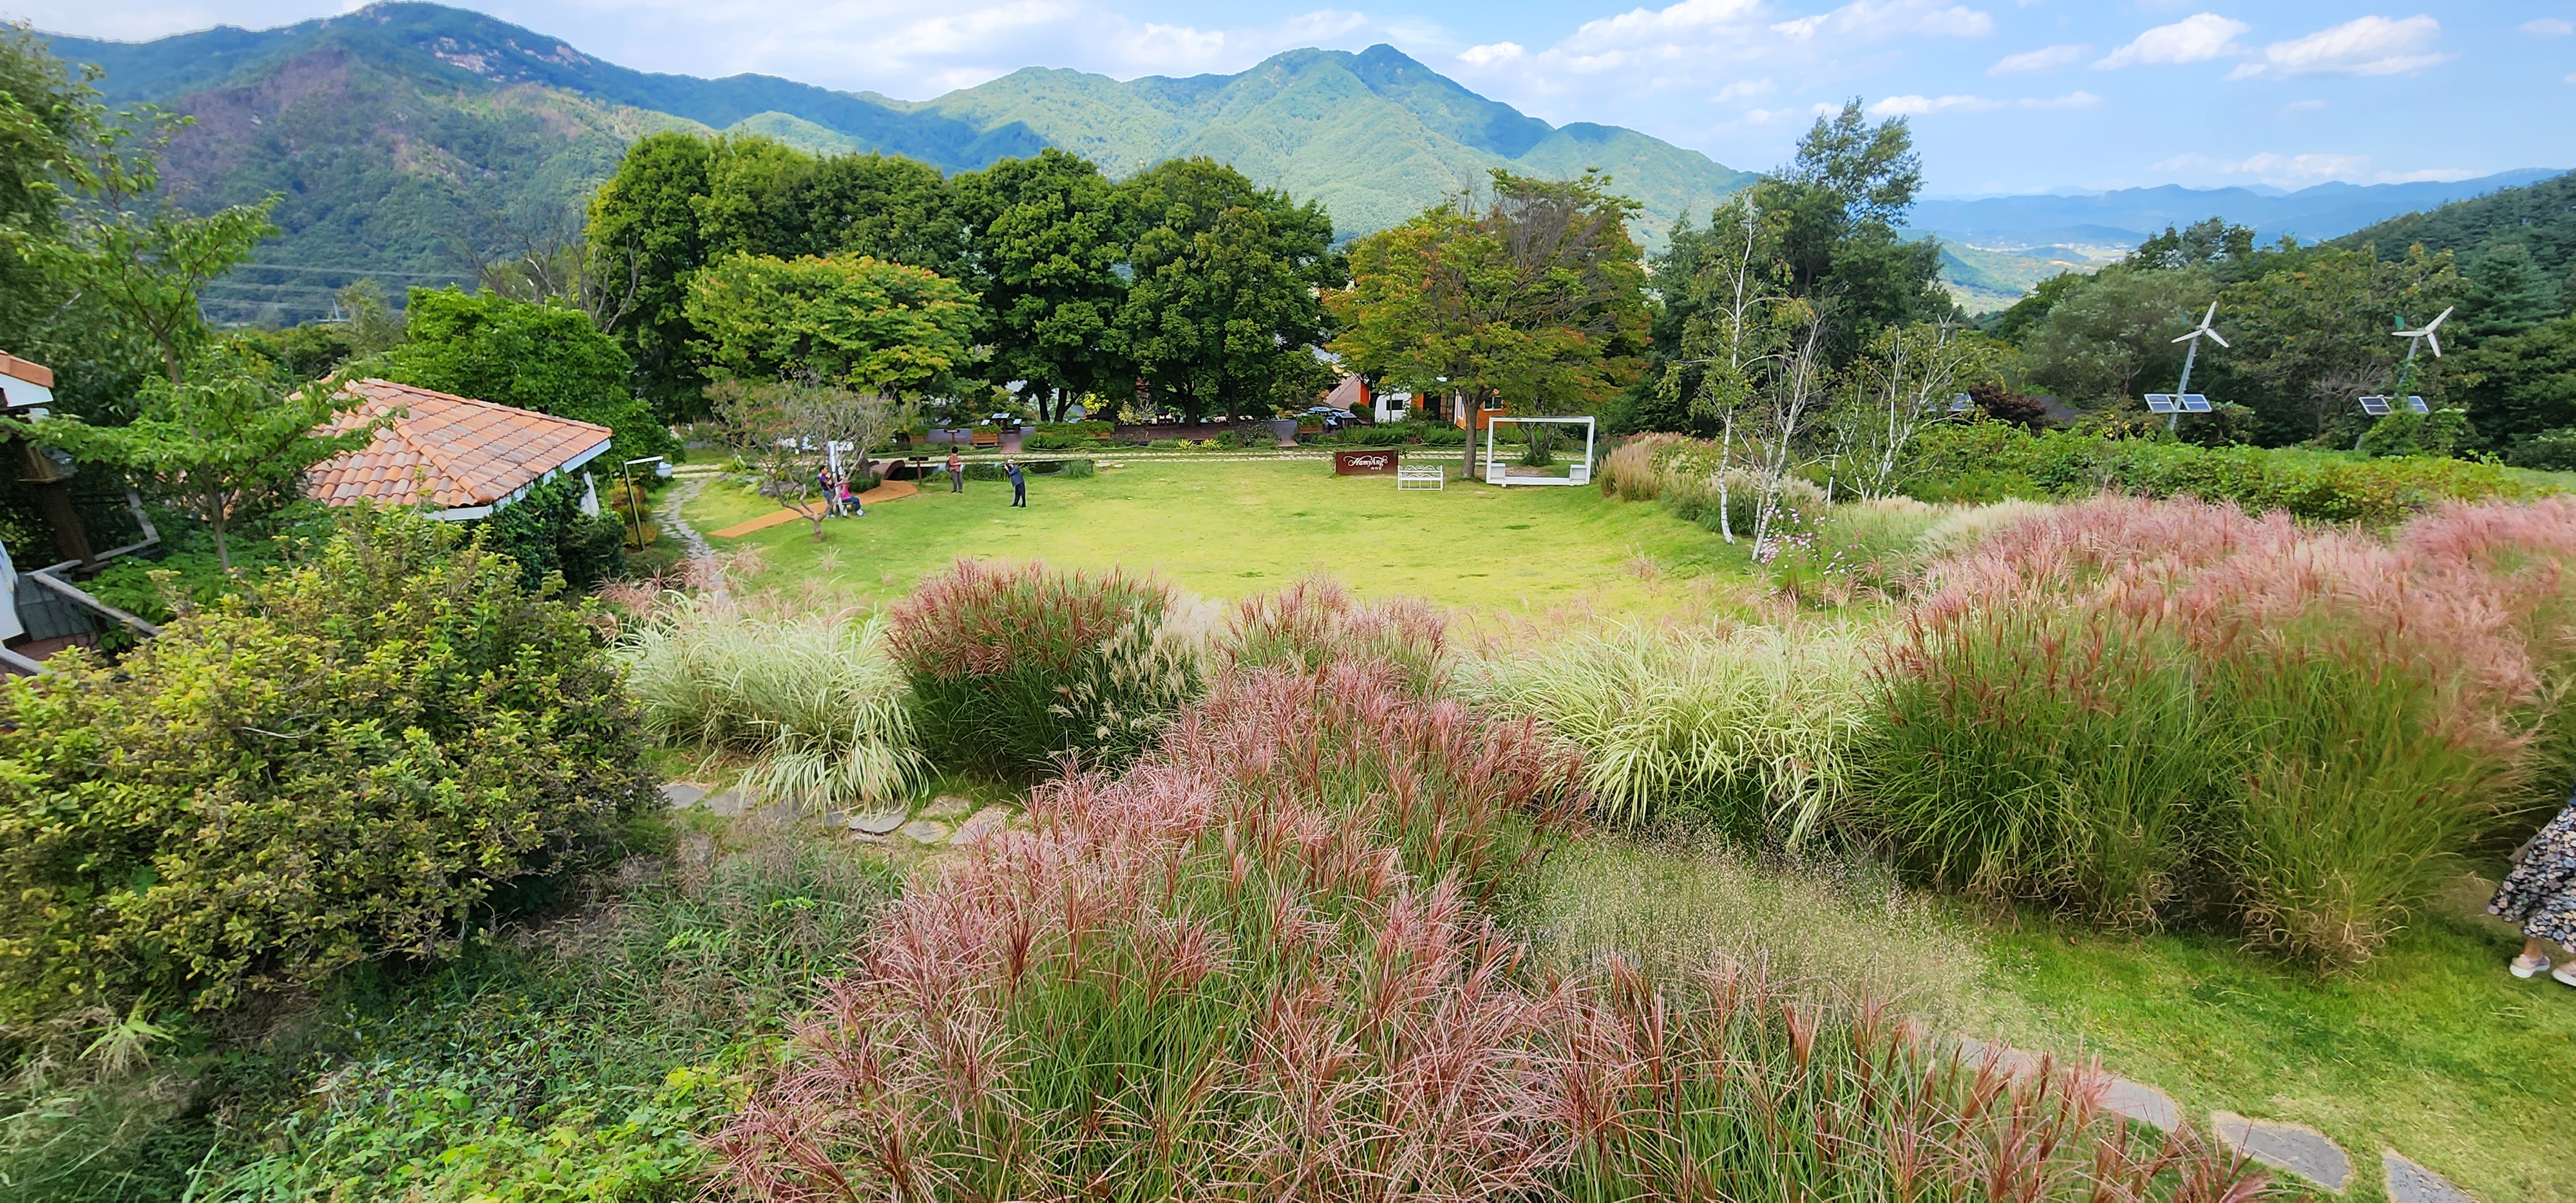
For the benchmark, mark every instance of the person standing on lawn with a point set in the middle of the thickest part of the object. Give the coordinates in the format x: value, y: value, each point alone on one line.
x: 956, y: 471
x: 1019, y: 483
x: 2540, y: 894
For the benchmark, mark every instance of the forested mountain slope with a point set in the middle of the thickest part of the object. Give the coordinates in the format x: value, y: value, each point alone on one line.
x: 411, y: 140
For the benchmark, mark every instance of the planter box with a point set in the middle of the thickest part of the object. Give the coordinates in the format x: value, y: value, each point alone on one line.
x: 1374, y: 461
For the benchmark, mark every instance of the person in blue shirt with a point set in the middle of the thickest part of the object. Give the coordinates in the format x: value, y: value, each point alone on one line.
x: 1019, y: 483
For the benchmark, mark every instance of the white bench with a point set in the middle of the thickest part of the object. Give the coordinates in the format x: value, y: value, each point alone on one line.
x: 1421, y: 476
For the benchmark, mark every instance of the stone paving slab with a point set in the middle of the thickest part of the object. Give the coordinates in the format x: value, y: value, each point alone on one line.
x: 681, y: 795
x: 2412, y: 1183
x: 879, y: 822
x: 2141, y: 1102
x: 984, y: 823
x: 2298, y: 1148
x: 947, y: 806
x: 925, y: 831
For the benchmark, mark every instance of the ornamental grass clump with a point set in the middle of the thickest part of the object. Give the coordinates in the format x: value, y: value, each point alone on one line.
x: 1015, y: 668
x: 2134, y: 709
x: 1746, y: 729
x: 1315, y: 622
x: 815, y: 698
x: 1263, y: 964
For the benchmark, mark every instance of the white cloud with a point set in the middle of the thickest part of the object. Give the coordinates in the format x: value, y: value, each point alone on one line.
x: 2363, y: 46
x: 1873, y: 20
x: 1745, y: 89
x: 1488, y: 55
x: 2549, y: 27
x: 2270, y: 168
x: 1916, y: 106
x: 2046, y: 58
x: 2194, y: 39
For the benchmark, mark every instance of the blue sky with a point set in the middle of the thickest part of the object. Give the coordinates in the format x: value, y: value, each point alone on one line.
x: 2005, y: 95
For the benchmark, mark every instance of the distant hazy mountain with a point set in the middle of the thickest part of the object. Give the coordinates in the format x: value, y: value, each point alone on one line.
x: 407, y: 138
x: 2541, y: 218
x: 2122, y: 219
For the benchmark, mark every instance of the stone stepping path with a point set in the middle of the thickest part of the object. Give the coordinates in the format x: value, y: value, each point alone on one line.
x: 2298, y: 1148
x: 985, y: 823
x: 2292, y: 1148
x: 2412, y: 1183
x: 681, y: 795
x: 924, y: 831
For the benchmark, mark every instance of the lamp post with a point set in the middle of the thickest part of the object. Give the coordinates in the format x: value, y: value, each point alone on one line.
x: 626, y: 479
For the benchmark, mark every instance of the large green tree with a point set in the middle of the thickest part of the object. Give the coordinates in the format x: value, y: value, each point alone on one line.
x: 844, y: 320
x: 1840, y: 204
x: 1044, y: 236
x: 541, y: 357
x: 2109, y: 339
x: 2313, y: 334
x: 1536, y: 300
x: 679, y: 204
x: 1222, y: 313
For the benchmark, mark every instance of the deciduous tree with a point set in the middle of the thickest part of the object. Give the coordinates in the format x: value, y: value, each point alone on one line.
x: 542, y: 357
x: 846, y: 320
x: 1222, y: 311
x: 1044, y: 236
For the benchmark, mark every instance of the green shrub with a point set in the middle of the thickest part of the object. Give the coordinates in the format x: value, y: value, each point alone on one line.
x: 816, y: 698
x: 1164, y: 445
x: 546, y: 531
x: 2548, y: 451
x: 581, y: 1071
x: 345, y: 764
x: 1014, y: 668
x: 1994, y: 461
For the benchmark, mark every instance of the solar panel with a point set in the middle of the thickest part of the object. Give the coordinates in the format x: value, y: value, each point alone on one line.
x: 2195, y: 403
x: 2416, y: 405
x: 1961, y: 403
x: 2161, y: 403
x: 2376, y: 407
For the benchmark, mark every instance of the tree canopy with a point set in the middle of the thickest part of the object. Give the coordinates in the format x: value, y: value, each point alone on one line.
x: 845, y: 320
x: 538, y: 357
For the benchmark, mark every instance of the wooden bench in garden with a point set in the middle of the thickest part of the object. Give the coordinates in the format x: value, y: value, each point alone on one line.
x: 987, y: 438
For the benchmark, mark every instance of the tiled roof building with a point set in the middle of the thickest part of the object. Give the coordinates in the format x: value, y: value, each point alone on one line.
x: 461, y: 457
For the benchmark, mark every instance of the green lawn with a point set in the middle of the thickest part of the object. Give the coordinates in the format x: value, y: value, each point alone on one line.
x: 2431, y: 1049
x: 1223, y: 530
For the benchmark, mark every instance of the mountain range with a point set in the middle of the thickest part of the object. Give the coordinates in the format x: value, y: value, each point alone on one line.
x: 410, y: 139
x: 1995, y: 248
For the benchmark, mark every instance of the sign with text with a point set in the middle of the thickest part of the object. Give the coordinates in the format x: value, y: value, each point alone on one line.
x: 1372, y: 462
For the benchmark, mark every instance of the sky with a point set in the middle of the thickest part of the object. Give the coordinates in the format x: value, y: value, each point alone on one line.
x: 2003, y: 95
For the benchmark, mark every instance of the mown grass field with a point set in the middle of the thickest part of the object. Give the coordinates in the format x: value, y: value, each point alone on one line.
x: 1223, y: 530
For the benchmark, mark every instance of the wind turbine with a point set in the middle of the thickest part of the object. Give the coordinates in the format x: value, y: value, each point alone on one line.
x: 2190, y: 355
x: 2429, y: 333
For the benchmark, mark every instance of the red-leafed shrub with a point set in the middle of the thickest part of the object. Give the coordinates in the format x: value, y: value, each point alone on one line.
x: 1015, y: 667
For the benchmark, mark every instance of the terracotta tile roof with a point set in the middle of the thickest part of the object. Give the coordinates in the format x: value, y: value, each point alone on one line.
x: 26, y: 369
x: 446, y: 451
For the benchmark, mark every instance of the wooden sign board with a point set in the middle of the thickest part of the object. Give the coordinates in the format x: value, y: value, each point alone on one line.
x: 1375, y: 461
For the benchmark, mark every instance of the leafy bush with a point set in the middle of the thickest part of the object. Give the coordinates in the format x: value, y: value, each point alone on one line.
x: 2548, y: 451
x: 577, y: 1070
x: 345, y: 764
x: 546, y: 531
x: 816, y: 698
x: 2123, y: 706
x: 1993, y: 461
x: 1748, y: 730
x: 1012, y: 668
x: 1164, y: 445
x: 1268, y: 950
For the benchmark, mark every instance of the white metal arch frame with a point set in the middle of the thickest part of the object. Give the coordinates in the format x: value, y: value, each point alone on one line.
x: 1497, y: 473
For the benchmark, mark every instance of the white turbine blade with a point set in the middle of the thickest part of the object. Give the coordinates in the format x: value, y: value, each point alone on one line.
x: 2436, y: 323
x: 2211, y: 316
x: 2188, y: 337
x: 2214, y: 337
x: 2436, y: 340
